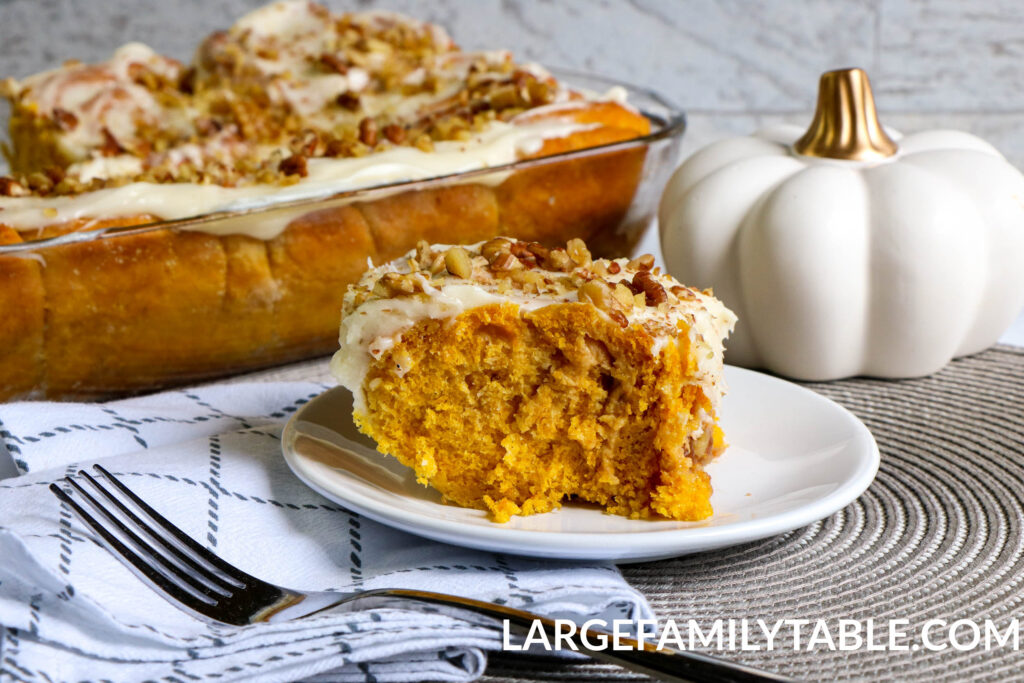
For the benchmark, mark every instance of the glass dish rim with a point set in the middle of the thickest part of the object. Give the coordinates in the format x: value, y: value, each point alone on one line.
x: 671, y: 123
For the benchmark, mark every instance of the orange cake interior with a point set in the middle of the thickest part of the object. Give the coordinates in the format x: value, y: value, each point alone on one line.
x: 512, y: 377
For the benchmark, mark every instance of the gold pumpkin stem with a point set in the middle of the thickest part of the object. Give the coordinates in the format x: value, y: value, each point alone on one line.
x: 845, y: 124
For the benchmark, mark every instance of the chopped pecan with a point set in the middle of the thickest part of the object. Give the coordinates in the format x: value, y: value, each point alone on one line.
x: 522, y: 252
x: 54, y: 173
x: 623, y: 294
x: 539, y: 250
x: 396, y: 284
x: 598, y: 293
x: 9, y: 187
x: 333, y: 63
x: 294, y: 165
x: 424, y: 143
x: 309, y: 143
x: 578, y: 252
x: 531, y: 280
x: 339, y: 148
x: 631, y: 286
x: 348, y: 100
x: 424, y: 254
x: 558, y: 260
x: 111, y: 147
x: 437, y: 264
x: 368, y: 131
x: 65, y: 119
x: 394, y: 133
x: 683, y: 293
x: 187, y: 83
x: 653, y: 290
x: 458, y: 263
x: 39, y: 182
x: 505, y: 261
x: 491, y: 249
x: 642, y: 262
x: 518, y: 249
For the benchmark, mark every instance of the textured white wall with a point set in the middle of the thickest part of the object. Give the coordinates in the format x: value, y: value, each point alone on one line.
x: 733, y: 65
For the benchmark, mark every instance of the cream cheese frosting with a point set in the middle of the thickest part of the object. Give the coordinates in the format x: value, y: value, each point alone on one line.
x: 142, y: 134
x: 392, y: 298
x: 102, y: 99
x: 499, y: 144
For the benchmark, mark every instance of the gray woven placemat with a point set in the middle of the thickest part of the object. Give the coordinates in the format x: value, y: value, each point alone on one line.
x: 938, y: 535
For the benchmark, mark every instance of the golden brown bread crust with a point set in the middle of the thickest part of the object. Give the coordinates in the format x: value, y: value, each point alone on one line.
x: 312, y: 262
x: 21, y: 327
x: 584, y: 198
x: 137, y: 312
x: 459, y: 213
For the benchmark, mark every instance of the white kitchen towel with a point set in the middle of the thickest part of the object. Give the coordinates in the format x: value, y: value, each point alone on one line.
x: 209, y: 459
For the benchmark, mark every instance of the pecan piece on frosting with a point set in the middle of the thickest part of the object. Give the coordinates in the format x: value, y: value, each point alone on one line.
x: 653, y: 291
x: 333, y: 63
x: 642, y: 262
x: 396, y: 284
x: 348, y: 100
x: 491, y: 249
x: 294, y: 165
x: 578, y: 252
x: 368, y: 131
x: 505, y: 261
x: 394, y: 133
x: 9, y: 187
x: 598, y: 293
x: 65, y: 119
x: 111, y: 147
x: 458, y: 263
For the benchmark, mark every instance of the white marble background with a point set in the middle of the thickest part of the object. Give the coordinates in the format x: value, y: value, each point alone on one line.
x: 733, y: 65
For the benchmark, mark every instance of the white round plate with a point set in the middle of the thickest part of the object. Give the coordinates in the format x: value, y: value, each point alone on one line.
x: 794, y: 457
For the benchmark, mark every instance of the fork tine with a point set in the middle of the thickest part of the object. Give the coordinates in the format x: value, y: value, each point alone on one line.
x: 173, y: 571
x: 186, y: 561
x: 179, y: 537
x: 177, y: 557
x: 189, y: 598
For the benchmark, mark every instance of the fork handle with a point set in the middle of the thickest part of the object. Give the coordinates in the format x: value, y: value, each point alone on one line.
x: 665, y: 664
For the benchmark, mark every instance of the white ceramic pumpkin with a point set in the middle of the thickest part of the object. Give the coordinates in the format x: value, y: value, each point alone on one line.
x: 888, y: 259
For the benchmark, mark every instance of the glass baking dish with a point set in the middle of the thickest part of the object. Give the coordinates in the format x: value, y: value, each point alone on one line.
x: 102, y: 312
